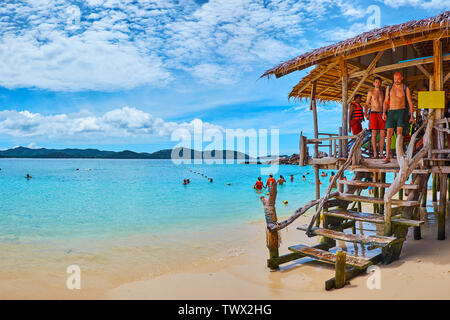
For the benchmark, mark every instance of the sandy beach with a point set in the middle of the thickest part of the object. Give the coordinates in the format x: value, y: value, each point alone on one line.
x: 423, y: 272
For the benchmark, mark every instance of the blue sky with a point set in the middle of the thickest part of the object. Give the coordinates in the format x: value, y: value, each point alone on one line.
x: 124, y: 74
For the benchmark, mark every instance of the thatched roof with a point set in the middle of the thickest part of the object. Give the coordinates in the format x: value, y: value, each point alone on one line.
x: 396, y: 35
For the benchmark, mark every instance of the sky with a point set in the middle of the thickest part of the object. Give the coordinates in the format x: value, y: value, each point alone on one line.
x: 128, y: 74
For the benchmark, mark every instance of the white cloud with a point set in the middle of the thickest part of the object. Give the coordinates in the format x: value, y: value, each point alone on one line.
x: 433, y: 4
x: 124, y: 122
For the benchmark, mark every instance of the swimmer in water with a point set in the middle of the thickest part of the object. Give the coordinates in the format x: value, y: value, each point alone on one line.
x: 259, y: 184
x: 184, y: 182
x: 210, y: 180
x: 304, y: 178
x: 334, y: 186
x: 292, y: 178
x: 188, y: 181
x: 281, y: 181
x: 270, y: 181
x: 28, y: 176
x: 324, y: 174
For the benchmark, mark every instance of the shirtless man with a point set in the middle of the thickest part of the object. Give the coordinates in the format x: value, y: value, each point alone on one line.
x: 374, y: 102
x: 395, y: 100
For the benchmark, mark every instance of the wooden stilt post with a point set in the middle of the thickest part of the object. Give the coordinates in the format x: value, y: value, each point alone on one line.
x: 339, y: 278
x: 442, y: 206
x: 316, y: 146
x: 434, y: 199
x: 417, y: 231
x: 448, y: 189
x: 400, y: 194
x: 344, y: 77
x: 271, y: 218
x: 439, y: 85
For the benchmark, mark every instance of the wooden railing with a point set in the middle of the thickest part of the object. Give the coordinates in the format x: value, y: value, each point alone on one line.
x: 407, y: 163
x: 335, y: 146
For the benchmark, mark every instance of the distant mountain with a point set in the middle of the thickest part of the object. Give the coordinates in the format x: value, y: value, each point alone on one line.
x: 22, y: 152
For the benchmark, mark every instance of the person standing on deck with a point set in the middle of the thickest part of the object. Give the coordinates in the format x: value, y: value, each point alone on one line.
x: 356, y: 115
x: 374, y: 105
x: 397, y: 97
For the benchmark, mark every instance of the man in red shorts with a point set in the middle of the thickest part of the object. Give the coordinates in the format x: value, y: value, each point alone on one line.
x: 374, y: 102
x: 356, y: 115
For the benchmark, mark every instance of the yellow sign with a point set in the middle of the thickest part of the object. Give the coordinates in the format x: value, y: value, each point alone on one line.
x: 431, y: 99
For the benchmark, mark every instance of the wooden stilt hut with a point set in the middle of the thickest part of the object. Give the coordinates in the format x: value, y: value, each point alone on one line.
x: 420, y: 50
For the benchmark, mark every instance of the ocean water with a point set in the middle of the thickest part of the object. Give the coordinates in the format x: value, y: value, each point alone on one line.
x: 111, y: 212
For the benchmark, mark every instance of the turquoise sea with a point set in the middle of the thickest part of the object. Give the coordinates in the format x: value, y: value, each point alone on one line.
x: 111, y: 212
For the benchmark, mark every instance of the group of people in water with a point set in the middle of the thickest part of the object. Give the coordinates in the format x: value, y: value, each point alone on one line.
x: 187, y: 181
x: 259, y: 184
x: 386, y: 111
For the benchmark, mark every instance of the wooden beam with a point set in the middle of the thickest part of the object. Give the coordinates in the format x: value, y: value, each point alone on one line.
x: 314, y: 110
x: 366, y: 74
x: 400, y: 65
x: 447, y: 76
x: 424, y: 71
x: 316, y: 77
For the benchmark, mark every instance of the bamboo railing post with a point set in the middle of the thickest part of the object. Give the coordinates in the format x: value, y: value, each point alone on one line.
x: 382, y: 192
x: 340, y: 265
x: 375, y: 193
x: 341, y: 154
x: 344, y: 75
x: 270, y: 213
x: 424, y: 197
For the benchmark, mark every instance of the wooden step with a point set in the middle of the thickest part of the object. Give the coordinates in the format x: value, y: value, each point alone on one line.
x: 369, y: 217
x: 330, y: 257
x: 383, y: 170
x: 349, y: 237
x: 436, y: 159
x: 353, y: 215
x: 359, y: 183
x: 435, y: 151
x: 354, y: 197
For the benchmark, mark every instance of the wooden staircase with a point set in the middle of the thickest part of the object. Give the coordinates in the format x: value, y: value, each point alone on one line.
x: 395, y: 210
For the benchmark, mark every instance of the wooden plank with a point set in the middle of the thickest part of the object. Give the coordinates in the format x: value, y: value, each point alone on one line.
x: 380, y: 170
x: 440, y: 169
x: 437, y: 151
x: 408, y: 222
x: 353, y: 215
x: 357, y: 238
x: 273, y: 263
x: 330, y: 138
x: 354, y: 197
x: 329, y: 257
x: 359, y: 183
